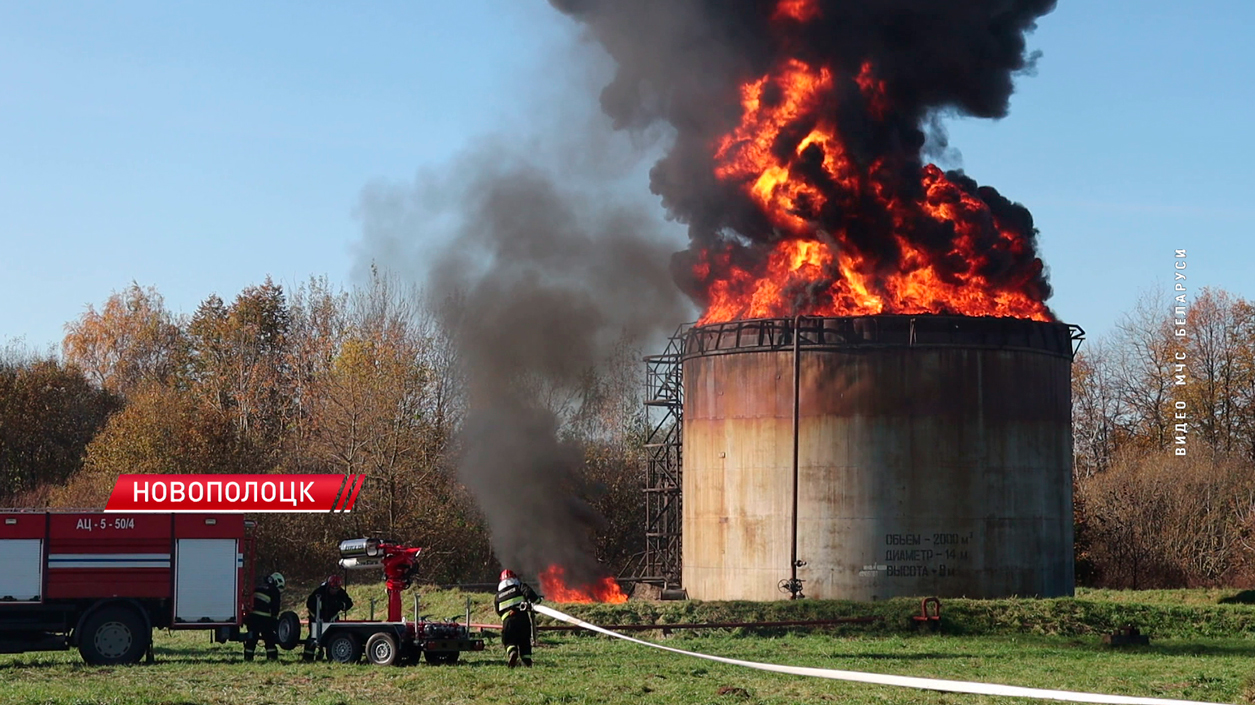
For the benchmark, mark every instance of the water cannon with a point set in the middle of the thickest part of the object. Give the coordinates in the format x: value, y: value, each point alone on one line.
x: 362, y: 554
x: 362, y: 548
x: 399, y: 563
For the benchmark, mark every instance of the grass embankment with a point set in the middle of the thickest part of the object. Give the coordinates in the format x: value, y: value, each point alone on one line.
x: 1178, y: 614
x: 1201, y: 650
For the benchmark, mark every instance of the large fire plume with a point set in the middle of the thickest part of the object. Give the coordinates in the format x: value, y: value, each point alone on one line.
x: 789, y: 157
x: 798, y: 163
x: 553, y: 586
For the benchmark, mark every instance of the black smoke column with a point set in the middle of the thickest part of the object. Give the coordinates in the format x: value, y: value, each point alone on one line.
x: 684, y: 63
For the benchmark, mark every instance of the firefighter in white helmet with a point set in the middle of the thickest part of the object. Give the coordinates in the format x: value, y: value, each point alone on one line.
x: 263, y: 620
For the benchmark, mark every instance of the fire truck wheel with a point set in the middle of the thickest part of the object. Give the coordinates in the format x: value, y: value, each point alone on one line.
x: 114, y: 635
x: 381, y: 649
x: 440, y: 658
x: 344, y: 647
x: 289, y: 630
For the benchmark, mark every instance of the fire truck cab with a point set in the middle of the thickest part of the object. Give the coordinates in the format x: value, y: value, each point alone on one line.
x: 103, y: 582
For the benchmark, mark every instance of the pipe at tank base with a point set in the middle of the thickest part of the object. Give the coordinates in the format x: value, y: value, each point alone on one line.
x: 795, y: 585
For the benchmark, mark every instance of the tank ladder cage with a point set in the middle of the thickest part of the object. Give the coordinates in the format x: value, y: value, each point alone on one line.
x: 664, y: 407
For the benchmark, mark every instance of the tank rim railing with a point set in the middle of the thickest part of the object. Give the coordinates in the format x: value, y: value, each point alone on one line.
x: 1077, y: 334
x: 879, y: 332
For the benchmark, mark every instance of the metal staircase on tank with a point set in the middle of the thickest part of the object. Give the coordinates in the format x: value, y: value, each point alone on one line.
x: 664, y: 401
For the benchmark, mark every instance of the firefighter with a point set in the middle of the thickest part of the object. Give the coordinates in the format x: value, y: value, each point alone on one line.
x: 263, y: 620
x: 333, y: 600
x: 514, y: 602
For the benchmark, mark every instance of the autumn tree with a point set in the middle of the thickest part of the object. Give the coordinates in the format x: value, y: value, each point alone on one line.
x: 373, y: 393
x: 161, y: 430
x: 49, y: 412
x: 1154, y: 511
x: 319, y: 325
x: 1143, y: 362
x: 367, y: 381
x: 610, y: 424
x: 1099, y: 410
x: 131, y: 342
x: 1219, y: 352
x: 1159, y: 520
x: 615, y: 488
x: 381, y: 413
x: 1244, y: 380
x: 238, y: 362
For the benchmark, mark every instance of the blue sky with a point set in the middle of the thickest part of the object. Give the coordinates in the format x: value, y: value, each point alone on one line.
x: 199, y: 147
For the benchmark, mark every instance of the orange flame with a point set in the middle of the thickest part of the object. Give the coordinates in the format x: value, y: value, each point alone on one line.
x: 787, y: 155
x: 555, y: 589
x: 799, y: 10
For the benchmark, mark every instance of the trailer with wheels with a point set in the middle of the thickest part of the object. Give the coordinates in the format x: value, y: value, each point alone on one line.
x: 398, y: 643
x: 103, y: 582
x: 394, y: 642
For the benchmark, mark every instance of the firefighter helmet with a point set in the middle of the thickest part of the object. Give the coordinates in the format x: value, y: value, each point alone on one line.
x: 334, y: 581
x: 277, y: 580
x: 508, y: 578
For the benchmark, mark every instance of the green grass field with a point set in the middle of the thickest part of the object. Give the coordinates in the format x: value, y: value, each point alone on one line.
x: 1201, y: 649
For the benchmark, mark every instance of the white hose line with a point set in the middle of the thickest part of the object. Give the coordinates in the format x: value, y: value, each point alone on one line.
x: 903, y: 681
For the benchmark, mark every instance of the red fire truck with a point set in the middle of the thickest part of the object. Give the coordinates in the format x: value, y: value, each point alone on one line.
x: 103, y: 582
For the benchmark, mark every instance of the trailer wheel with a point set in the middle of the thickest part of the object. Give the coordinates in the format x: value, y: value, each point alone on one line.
x: 344, y: 647
x: 381, y: 649
x: 440, y: 658
x: 114, y: 635
x: 289, y: 630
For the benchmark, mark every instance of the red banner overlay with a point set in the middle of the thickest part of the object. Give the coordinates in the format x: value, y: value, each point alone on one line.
x: 235, y: 493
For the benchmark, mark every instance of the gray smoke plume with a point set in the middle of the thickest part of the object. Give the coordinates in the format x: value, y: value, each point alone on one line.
x: 549, y: 276
x: 551, y: 283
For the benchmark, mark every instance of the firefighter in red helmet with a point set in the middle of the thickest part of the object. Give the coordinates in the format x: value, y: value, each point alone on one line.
x: 326, y: 602
x: 514, y: 602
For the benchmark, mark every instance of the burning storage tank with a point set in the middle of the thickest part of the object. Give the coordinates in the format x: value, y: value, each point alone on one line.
x: 926, y: 448
x: 877, y: 456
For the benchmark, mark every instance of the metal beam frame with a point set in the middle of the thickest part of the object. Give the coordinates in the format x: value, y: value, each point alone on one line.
x: 664, y: 384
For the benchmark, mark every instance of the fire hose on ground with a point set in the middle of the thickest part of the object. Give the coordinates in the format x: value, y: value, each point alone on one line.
x: 934, y: 684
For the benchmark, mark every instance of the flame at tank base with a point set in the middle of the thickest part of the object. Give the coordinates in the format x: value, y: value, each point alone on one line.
x: 934, y: 457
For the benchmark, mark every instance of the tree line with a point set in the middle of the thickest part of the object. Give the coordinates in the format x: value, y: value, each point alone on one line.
x: 322, y: 380
x: 1164, y: 440
x: 368, y: 381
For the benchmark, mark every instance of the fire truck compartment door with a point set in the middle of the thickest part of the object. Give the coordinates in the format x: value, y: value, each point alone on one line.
x: 23, y: 570
x: 205, y: 583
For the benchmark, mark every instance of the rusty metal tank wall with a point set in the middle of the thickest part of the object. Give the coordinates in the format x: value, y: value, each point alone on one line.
x: 934, y: 458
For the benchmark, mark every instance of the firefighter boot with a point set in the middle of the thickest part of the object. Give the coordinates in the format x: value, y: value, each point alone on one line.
x: 527, y: 661
x: 308, y: 656
x: 249, y: 650
x: 512, y: 653
x: 272, y: 652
